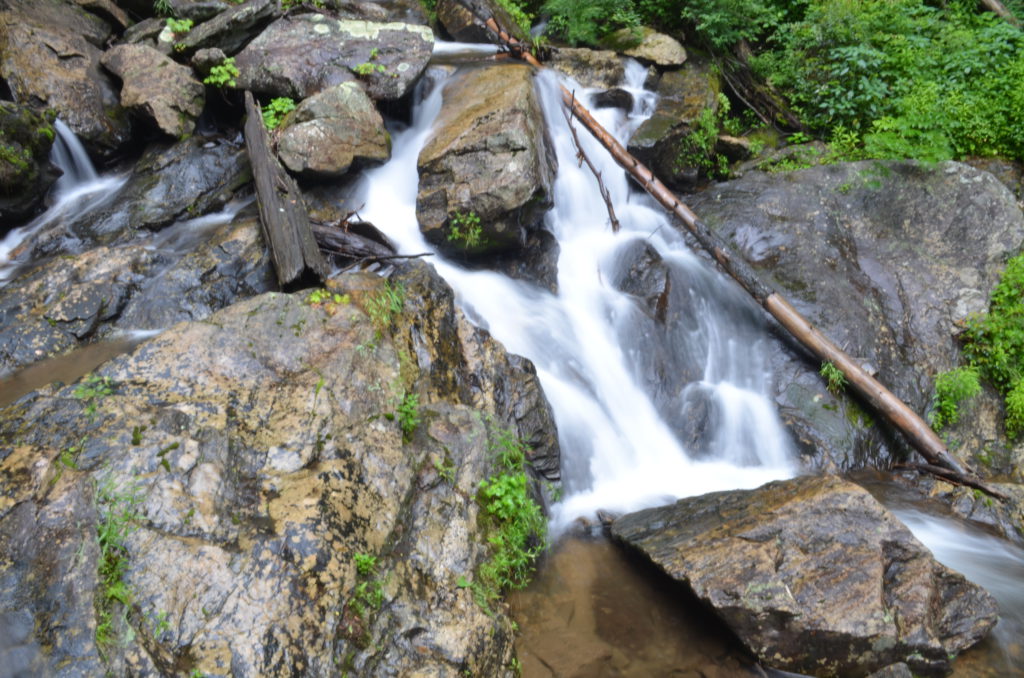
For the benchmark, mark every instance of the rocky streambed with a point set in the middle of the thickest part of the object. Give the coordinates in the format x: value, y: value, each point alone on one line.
x: 286, y: 482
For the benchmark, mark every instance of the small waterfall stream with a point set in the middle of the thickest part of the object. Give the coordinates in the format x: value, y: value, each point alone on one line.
x: 618, y: 452
x: 80, y: 189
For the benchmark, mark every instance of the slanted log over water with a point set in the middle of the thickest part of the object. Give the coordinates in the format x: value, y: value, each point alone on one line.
x: 282, y: 212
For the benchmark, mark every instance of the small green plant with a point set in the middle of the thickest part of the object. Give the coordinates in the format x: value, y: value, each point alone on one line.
x: 366, y: 563
x: 516, y: 526
x: 465, y: 229
x: 385, y: 305
x: 179, y: 26
x: 952, y: 388
x: 445, y: 469
x: 408, y: 415
x: 224, y: 74
x: 162, y: 8
x: 93, y: 389
x: 698, y: 147
x: 274, y: 112
x: 367, y: 68
x: 321, y: 296
x: 117, y: 508
x: 834, y: 378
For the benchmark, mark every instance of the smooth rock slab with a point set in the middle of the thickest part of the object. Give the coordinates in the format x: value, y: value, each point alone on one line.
x: 815, y: 576
x: 163, y: 91
x: 298, y: 56
x: 330, y: 131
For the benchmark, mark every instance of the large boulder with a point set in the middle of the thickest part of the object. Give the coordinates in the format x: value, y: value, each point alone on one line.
x: 487, y: 166
x: 155, y: 87
x: 298, y: 56
x: 331, y: 131
x: 50, y: 58
x: 815, y: 576
x: 647, y: 45
x: 229, y: 30
x: 874, y: 255
x: 665, y: 142
x: 271, y: 495
x: 589, y: 67
x: 26, y: 172
x: 463, y: 19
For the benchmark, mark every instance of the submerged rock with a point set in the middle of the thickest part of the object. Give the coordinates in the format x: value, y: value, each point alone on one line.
x: 815, y: 576
x: 50, y: 58
x: 166, y: 93
x: 278, y: 498
x: 298, y: 56
x: 487, y: 169
x: 874, y: 255
x: 331, y: 131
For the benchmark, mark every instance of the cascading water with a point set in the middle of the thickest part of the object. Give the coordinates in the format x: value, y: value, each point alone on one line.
x: 618, y: 451
x: 79, y: 190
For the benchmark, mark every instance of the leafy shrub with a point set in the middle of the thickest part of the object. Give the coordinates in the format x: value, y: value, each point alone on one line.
x: 274, y: 112
x: 952, y: 388
x: 834, y: 377
x: 517, y: 528
x: 994, y: 342
x: 223, y: 74
x: 585, y: 22
x: 465, y: 229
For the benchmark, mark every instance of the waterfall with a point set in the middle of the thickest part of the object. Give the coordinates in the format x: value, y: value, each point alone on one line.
x: 618, y: 451
x: 79, y: 189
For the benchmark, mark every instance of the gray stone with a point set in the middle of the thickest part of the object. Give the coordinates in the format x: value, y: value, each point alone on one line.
x: 49, y: 57
x: 815, y: 576
x: 157, y: 88
x: 26, y: 172
x: 647, y: 45
x: 589, y: 67
x: 487, y: 156
x: 298, y: 56
x: 331, y: 131
x: 229, y: 30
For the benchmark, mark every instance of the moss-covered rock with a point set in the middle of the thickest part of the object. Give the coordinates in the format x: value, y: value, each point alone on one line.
x: 25, y: 170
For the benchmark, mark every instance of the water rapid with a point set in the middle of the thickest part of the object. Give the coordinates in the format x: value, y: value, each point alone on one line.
x: 590, y: 340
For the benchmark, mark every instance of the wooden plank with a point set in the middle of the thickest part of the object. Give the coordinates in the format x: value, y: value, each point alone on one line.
x: 283, y: 217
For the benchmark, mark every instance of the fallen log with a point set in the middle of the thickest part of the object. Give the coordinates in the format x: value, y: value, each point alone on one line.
x: 918, y: 433
x: 283, y: 218
x: 347, y: 243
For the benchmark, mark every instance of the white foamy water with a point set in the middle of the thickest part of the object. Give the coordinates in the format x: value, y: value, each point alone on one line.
x: 80, y: 189
x: 618, y: 451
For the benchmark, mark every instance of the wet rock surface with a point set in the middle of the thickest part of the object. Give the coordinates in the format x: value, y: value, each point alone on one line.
x: 261, y: 455
x: 487, y: 157
x: 50, y: 58
x: 25, y: 169
x: 331, y: 131
x: 874, y: 255
x: 298, y: 56
x: 163, y: 92
x: 815, y: 576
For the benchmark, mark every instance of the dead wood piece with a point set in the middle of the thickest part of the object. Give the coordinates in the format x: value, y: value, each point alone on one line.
x: 950, y: 477
x: 581, y: 157
x: 894, y: 410
x: 347, y: 243
x: 283, y: 218
x: 1000, y: 10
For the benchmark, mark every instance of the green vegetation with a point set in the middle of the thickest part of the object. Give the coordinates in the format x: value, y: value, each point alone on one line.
x: 93, y: 389
x: 289, y: 4
x: 366, y: 563
x: 699, y: 146
x: 162, y: 8
x: 465, y: 229
x: 516, y: 528
x: 274, y: 112
x: 368, y: 68
x: 952, y: 388
x: 322, y: 297
x: 994, y: 343
x: 834, y: 378
x: 408, y: 415
x: 117, y: 507
x: 894, y: 78
x: 368, y: 594
x: 223, y: 75
x: 179, y: 26
x: 384, y: 306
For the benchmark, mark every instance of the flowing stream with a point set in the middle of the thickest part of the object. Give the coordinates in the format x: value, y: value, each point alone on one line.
x: 586, y: 341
